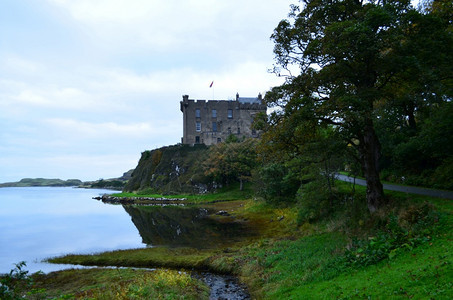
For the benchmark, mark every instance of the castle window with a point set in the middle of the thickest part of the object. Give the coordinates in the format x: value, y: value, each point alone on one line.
x: 230, y: 114
x: 229, y: 130
x: 197, y: 140
x: 214, y: 113
x: 197, y: 113
x: 214, y: 126
x: 219, y: 140
x: 198, y: 126
x: 239, y: 130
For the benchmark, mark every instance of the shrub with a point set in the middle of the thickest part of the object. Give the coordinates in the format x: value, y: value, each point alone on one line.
x: 276, y: 183
x: 314, y: 199
x: 412, y: 227
x: 17, y: 283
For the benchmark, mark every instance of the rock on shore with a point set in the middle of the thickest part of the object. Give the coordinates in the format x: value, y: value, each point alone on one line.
x: 137, y: 200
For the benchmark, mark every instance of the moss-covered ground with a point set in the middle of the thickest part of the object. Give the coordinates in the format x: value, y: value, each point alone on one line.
x: 294, y: 260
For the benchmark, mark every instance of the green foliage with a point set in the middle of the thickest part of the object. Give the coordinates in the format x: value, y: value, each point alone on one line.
x: 276, y: 183
x: 10, y: 288
x: 160, y: 284
x: 413, y: 227
x: 231, y: 162
x: 314, y: 155
x: 443, y: 174
x: 232, y: 138
x: 371, y: 71
x: 424, y: 159
x: 17, y: 284
x: 124, y: 283
x: 315, y: 201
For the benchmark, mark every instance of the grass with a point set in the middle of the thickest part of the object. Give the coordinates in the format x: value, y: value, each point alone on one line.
x: 285, y: 266
x: 270, y: 221
x: 118, y: 284
x: 313, y: 268
x: 228, y: 193
x: 424, y: 273
x: 307, y: 261
x: 273, y: 266
x: 177, y: 258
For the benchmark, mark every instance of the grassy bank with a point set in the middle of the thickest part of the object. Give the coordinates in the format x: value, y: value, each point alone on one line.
x: 229, y: 193
x: 405, y: 251
x: 177, y: 258
x: 116, y: 284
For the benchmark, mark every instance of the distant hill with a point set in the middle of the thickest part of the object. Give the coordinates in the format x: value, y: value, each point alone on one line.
x: 28, y: 182
x: 112, y: 183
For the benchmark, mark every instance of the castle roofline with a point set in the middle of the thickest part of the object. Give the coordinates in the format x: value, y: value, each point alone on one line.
x: 249, y: 100
x: 242, y: 100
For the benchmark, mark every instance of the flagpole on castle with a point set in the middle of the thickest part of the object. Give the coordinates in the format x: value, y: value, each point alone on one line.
x: 210, y: 86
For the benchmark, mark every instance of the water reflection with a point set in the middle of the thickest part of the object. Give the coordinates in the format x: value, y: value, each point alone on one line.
x: 185, y: 226
x: 41, y: 222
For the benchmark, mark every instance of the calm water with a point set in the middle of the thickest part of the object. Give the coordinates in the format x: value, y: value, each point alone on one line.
x: 41, y: 222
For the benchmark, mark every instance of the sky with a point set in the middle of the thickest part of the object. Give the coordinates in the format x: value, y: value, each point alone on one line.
x: 87, y: 85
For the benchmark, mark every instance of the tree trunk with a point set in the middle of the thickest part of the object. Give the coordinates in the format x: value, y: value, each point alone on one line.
x: 370, y: 154
x: 241, y: 184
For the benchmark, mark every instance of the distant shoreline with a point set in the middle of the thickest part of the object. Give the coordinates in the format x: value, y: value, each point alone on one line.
x: 114, y: 184
x: 37, y: 182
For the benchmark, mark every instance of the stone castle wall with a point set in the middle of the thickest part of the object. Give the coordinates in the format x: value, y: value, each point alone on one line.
x: 211, y: 122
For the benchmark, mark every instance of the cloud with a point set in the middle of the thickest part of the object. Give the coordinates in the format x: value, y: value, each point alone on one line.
x: 158, y: 22
x: 168, y: 25
x: 66, y: 98
x: 83, y: 82
x: 102, y: 130
x: 19, y: 65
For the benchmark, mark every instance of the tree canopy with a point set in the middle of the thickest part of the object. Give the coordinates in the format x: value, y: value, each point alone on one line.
x: 231, y: 161
x: 351, y: 64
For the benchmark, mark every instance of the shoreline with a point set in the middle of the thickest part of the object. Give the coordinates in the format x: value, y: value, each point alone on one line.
x: 138, y: 200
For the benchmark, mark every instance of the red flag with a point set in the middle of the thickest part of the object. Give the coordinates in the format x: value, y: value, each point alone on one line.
x: 211, y: 84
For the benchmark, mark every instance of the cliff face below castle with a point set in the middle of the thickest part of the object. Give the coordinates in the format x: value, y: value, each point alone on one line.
x: 171, y: 170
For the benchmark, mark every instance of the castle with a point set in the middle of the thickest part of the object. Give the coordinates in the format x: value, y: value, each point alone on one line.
x: 211, y: 122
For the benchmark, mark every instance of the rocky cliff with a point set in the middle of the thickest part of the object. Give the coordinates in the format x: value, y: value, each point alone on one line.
x: 171, y: 170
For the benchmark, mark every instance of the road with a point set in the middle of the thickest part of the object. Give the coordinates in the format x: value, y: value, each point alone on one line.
x: 402, y: 188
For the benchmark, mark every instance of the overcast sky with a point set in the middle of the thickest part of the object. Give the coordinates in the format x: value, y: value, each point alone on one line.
x: 87, y: 85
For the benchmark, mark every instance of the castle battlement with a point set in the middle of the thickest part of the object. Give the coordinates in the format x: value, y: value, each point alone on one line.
x: 212, y: 121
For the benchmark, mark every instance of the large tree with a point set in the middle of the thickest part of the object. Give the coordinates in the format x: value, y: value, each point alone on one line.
x: 346, y: 62
x: 231, y: 161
